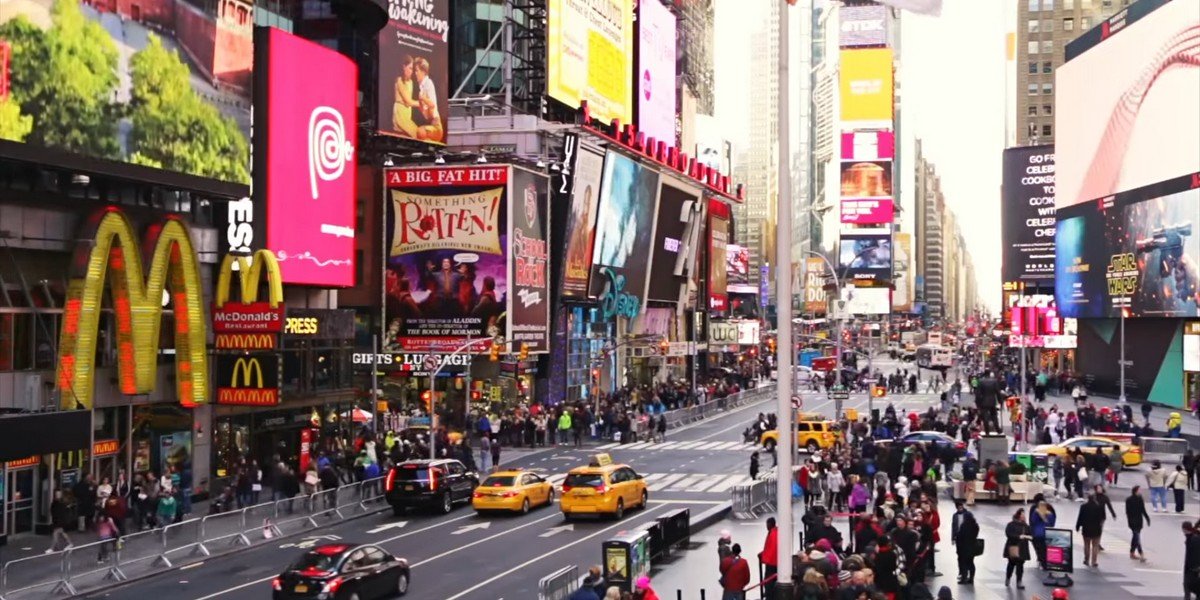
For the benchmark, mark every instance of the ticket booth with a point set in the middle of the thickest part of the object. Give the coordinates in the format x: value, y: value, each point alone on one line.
x: 626, y: 558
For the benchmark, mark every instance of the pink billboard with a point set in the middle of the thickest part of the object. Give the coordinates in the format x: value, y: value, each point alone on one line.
x: 868, y: 145
x: 867, y: 211
x: 304, y: 166
x: 656, y: 71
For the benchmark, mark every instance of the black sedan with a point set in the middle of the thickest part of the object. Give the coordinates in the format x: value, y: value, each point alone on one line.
x: 944, y: 443
x: 343, y: 572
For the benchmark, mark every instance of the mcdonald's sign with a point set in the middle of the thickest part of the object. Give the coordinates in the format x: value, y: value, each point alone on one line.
x: 248, y: 324
x: 108, y: 252
x: 248, y: 379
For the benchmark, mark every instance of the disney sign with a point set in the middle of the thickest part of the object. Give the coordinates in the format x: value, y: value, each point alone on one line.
x: 614, y: 301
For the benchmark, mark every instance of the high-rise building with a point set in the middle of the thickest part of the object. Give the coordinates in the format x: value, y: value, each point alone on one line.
x: 943, y: 268
x: 1043, y: 29
x: 762, y: 186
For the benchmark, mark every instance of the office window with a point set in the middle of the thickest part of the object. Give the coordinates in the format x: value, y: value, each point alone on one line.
x: 1033, y: 25
x: 1047, y: 67
x: 1047, y: 46
x: 1034, y: 5
x: 1047, y: 4
x: 1046, y: 130
x: 1086, y: 4
x: 1048, y: 26
x: 1033, y: 89
x: 1085, y: 23
x: 1033, y: 68
x: 1033, y: 47
x: 1068, y: 24
x: 1047, y: 88
x: 1033, y: 111
x: 1033, y: 130
x: 1047, y: 109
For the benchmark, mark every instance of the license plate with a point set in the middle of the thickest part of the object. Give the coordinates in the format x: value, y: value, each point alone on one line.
x: 300, y: 589
x: 408, y: 488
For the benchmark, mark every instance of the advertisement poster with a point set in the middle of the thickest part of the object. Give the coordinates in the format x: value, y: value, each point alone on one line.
x: 1136, y: 254
x: 656, y: 71
x: 175, y: 451
x: 737, y: 264
x: 866, y: 86
x: 1060, y: 550
x: 863, y: 26
x: 866, y: 192
x: 1136, y: 125
x: 868, y: 145
x: 310, y: 135
x: 1028, y: 214
x: 624, y: 227
x: 134, y: 82
x: 141, y: 456
x: 590, y: 52
x: 866, y: 256
x: 718, y: 270
x: 867, y: 301
x: 675, y: 209
x: 581, y: 223
x: 446, y: 234
x: 814, y: 286
x: 414, y: 80
x: 902, y: 272
x: 529, y: 316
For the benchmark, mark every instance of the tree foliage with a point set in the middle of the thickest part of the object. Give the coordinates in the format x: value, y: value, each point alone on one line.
x: 13, y: 125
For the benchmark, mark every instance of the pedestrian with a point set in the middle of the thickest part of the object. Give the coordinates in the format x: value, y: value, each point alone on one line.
x: 485, y: 453
x: 662, y: 428
x: 1090, y: 523
x: 60, y: 518
x: 495, y: 453
x: 769, y: 558
x: 643, y: 587
x: 724, y: 545
x: 1177, y: 482
x: 595, y: 580
x: 754, y: 465
x: 1003, y: 482
x: 167, y: 509
x: 735, y: 575
x: 1137, y: 517
x: 1016, y: 548
x: 1191, y: 561
x: 1156, y: 480
x: 1043, y: 516
x: 106, y: 531
x: 967, y: 545
x: 85, y: 500
x: 889, y: 565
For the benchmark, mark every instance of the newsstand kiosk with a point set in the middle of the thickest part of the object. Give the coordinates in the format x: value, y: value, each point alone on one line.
x: 626, y: 557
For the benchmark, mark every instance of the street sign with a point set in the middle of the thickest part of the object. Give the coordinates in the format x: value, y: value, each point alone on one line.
x: 842, y: 395
x: 430, y: 363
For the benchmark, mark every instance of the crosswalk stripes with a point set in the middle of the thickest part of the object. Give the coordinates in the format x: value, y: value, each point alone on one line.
x: 695, y: 445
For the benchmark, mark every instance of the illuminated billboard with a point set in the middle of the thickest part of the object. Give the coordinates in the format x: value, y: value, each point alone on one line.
x: 1027, y: 214
x: 624, y: 227
x: 581, y: 223
x: 157, y: 84
x: 863, y: 26
x: 414, y: 72
x: 866, y: 301
x: 866, y: 192
x: 590, y: 56
x: 902, y: 292
x: 866, y: 86
x: 866, y: 255
x: 305, y: 165
x: 868, y: 145
x: 718, y: 240
x: 656, y: 71
x: 814, y: 286
x: 676, y: 210
x: 1137, y: 124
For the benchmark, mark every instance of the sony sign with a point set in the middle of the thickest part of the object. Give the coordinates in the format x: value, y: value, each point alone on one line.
x: 863, y: 26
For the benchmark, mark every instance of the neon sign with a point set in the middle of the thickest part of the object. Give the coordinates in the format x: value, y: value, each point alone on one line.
x: 614, y: 301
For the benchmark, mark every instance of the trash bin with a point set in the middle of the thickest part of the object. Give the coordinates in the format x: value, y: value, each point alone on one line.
x: 626, y: 557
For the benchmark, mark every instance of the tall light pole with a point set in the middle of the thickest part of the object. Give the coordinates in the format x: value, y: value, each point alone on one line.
x: 1122, y: 397
x: 783, y: 314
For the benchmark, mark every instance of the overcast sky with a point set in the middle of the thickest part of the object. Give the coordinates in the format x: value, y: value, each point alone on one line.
x: 953, y: 99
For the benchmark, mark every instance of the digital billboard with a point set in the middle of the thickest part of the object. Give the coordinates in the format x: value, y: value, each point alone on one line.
x: 865, y: 255
x: 590, y: 56
x: 624, y: 227
x: 814, y: 285
x: 863, y: 26
x: 1137, y: 124
x: 656, y: 71
x: 1133, y: 253
x: 1027, y: 214
x: 447, y: 242
x: 676, y: 209
x: 414, y: 71
x: 718, y: 240
x: 866, y: 85
x: 737, y: 263
x: 902, y: 289
x: 866, y: 192
x: 867, y: 301
x: 581, y: 223
x: 529, y: 266
x: 306, y: 165
x: 868, y: 145
x: 148, y: 83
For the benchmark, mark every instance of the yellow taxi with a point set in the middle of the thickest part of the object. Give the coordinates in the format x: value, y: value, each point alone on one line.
x: 811, y: 435
x: 602, y: 488
x: 1131, y: 455
x: 513, y: 490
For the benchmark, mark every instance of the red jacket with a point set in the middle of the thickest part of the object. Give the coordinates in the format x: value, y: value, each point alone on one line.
x: 770, y: 553
x: 737, y: 574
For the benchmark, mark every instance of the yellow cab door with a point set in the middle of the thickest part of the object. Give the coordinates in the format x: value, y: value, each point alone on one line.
x: 624, y: 485
x: 535, y: 489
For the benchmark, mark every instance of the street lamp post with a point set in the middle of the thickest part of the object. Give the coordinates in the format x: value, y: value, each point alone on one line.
x: 783, y: 302
x: 1122, y: 397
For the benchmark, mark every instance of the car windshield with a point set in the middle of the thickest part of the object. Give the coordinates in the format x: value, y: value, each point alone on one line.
x: 315, y: 561
x: 498, y: 481
x: 584, y: 480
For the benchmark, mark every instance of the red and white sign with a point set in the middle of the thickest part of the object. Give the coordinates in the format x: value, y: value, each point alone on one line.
x: 868, y: 145
x: 867, y: 211
x: 255, y: 317
x: 307, y: 109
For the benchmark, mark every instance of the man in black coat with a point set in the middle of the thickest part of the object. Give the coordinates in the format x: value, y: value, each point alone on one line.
x: 966, y: 541
x: 1090, y: 523
x: 1191, y: 561
x: 987, y: 397
x: 1136, y: 515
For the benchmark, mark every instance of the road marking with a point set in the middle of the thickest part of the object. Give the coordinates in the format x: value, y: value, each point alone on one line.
x: 669, y: 479
x: 653, y: 477
x: 472, y: 527
x: 704, y: 484
x: 683, y: 484
x: 542, y: 557
x: 688, y: 445
x: 387, y: 526
x: 191, y: 566
x: 607, y: 446
x: 1156, y: 571
x: 704, y: 502
x: 636, y: 446
x: 729, y: 482
x: 557, y: 530
x: 488, y: 538
x: 669, y: 446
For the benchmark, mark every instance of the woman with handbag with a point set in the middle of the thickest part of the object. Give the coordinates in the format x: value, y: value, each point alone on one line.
x: 1016, y: 547
x: 967, y: 545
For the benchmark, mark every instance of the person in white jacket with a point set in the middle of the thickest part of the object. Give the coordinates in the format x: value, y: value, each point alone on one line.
x: 834, y: 482
x: 1156, y: 480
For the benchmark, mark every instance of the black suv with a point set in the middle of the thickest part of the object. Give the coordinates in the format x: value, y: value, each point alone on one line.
x: 429, y: 483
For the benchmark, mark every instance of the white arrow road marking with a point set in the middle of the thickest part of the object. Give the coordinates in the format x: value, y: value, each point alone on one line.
x: 310, y: 541
x: 388, y: 526
x: 558, y: 530
x: 466, y: 528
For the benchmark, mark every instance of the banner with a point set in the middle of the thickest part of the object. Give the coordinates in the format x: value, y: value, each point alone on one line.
x: 655, y: 77
x: 737, y: 264
x: 529, y: 267
x: 414, y: 68
x: 1028, y: 214
x: 815, y: 301
x: 248, y: 324
x: 866, y: 86
x: 902, y: 289
x: 868, y: 145
x: 625, y: 227
x: 447, y: 272
x: 675, y: 211
x: 581, y: 224
x: 590, y: 56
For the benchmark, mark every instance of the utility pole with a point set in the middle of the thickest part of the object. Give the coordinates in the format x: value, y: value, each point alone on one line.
x: 783, y: 306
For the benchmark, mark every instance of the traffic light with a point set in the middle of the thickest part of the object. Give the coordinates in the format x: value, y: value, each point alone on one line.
x: 664, y: 347
x: 878, y: 391
x: 524, y: 352
x: 494, y: 352
x: 476, y: 395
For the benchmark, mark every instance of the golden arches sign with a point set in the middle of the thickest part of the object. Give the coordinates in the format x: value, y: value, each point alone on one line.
x: 137, y: 303
x: 250, y: 271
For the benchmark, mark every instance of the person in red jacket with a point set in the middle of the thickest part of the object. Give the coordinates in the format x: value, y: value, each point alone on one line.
x: 735, y: 575
x: 769, y: 558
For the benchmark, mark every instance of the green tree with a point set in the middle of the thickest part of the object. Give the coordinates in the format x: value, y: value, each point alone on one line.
x: 173, y: 127
x: 13, y: 126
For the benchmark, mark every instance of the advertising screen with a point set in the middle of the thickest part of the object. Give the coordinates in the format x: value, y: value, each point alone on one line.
x: 1127, y: 252
x: 529, y: 306
x: 149, y: 83
x: 737, y: 263
x: 867, y: 301
x: 866, y: 85
x: 718, y: 271
x: 590, y: 56
x: 1138, y: 124
x: 868, y: 145
x: 414, y: 71
x: 307, y: 141
x: 866, y: 256
x: 867, y: 192
x: 675, y: 211
x: 656, y: 71
x: 624, y: 226
x: 581, y: 223
x: 863, y: 26
x: 814, y: 286
x: 1027, y: 214
x: 447, y: 271
x: 902, y: 272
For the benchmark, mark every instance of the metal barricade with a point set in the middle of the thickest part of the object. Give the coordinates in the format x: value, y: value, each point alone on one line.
x: 259, y: 516
x: 1175, y: 446
x: 226, y: 527
x: 30, y: 573
x: 182, y: 539
x: 325, y: 504
x: 140, y: 547
x: 755, y: 499
x: 559, y: 585
x: 350, y: 497
x: 94, y: 562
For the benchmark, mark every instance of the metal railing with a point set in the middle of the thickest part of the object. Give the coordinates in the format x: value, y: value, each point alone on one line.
x: 1154, y: 445
x: 559, y: 585
x: 690, y: 414
x: 753, y: 500
x: 81, y: 568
